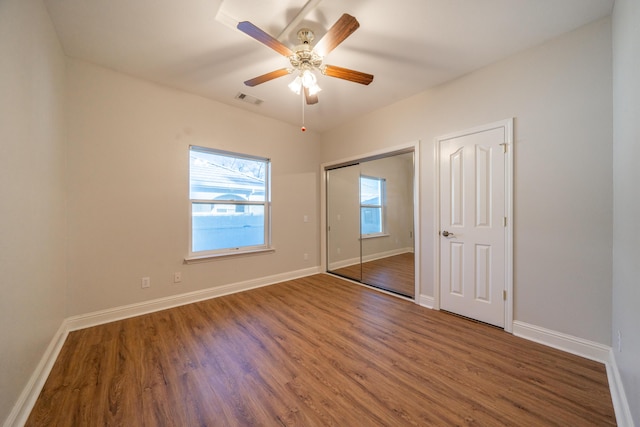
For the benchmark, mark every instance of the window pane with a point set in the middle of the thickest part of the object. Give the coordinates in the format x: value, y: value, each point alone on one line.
x: 225, y: 226
x: 370, y: 191
x: 370, y: 220
x: 221, y: 177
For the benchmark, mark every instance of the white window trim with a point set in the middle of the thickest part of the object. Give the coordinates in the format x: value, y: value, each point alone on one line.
x: 374, y: 235
x: 382, y: 206
x: 200, y: 256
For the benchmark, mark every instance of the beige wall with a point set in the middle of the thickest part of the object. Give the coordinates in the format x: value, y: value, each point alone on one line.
x: 32, y: 193
x: 626, y: 177
x: 560, y: 96
x: 128, y: 189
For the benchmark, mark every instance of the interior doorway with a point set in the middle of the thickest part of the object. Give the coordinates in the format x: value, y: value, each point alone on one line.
x: 476, y: 222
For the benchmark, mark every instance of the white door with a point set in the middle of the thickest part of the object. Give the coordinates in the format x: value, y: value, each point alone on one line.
x: 474, y: 207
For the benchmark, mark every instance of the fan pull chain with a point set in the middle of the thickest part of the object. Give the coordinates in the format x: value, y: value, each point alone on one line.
x: 303, y: 128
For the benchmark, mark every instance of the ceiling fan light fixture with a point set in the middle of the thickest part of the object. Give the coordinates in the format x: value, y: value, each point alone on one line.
x: 305, y: 58
x: 296, y: 85
x: 305, y: 79
x: 308, y: 79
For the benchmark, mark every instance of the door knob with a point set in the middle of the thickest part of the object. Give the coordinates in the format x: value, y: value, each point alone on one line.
x: 447, y: 234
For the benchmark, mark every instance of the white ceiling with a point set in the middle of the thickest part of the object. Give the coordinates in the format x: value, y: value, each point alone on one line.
x: 409, y: 45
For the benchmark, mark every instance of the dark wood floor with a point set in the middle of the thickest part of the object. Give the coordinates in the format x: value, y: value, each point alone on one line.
x: 310, y: 352
x: 395, y: 273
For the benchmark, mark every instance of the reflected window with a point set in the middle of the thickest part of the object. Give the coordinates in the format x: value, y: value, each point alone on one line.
x: 372, y: 202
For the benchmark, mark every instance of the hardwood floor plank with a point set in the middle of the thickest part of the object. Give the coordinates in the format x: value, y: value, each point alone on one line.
x: 394, y: 273
x: 315, y: 351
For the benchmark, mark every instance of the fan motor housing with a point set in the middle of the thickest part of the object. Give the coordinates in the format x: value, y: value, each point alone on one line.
x: 304, y: 57
x: 306, y: 36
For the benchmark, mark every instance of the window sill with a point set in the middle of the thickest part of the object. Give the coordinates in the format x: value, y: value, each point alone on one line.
x: 210, y: 257
x: 373, y: 236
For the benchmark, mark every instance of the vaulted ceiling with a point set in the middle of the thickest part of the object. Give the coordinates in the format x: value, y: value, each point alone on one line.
x: 409, y: 45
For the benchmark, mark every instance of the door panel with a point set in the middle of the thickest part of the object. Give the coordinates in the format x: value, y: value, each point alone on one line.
x: 472, y: 240
x: 483, y: 273
x: 457, y: 188
x: 483, y: 186
x: 457, y: 268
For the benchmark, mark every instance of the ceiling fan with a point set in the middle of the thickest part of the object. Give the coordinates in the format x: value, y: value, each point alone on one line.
x: 304, y: 58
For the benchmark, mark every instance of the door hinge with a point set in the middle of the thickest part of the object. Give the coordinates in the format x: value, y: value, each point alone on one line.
x: 504, y: 221
x: 504, y: 295
x: 504, y: 146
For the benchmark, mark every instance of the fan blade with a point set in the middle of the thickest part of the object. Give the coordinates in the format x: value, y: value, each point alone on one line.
x: 311, y: 99
x: 266, y: 77
x: 342, y: 29
x: 251, y: 30
x: 347, y: 74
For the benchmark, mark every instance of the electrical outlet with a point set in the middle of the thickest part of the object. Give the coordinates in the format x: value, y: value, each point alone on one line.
x: 306, y: 257
x: 177, y: 277
x: 146, y: 282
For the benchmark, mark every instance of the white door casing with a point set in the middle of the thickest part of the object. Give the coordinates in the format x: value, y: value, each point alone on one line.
x: 475, y: 223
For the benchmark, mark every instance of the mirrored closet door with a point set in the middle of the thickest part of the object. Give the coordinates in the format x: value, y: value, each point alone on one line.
x: 370, y: 222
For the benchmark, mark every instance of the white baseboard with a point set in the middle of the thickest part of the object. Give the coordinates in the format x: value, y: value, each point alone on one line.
x: 386, y: 254
x: 366, y: 258
x: 574, y: 345
x: 21, y: 410
x: 110, y: 315
x: 30, y: 393
x: 618, y: 396
x: 589, y: 350
x: 426, y: 301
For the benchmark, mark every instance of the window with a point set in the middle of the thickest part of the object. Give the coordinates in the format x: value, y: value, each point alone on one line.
x: 230, y: 202
x: 372, y: 200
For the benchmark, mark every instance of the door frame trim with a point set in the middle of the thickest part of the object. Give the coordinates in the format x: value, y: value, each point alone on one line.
x: 507, y: 125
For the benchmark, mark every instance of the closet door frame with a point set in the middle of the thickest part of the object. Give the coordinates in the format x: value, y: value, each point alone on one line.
x: 400, y: 149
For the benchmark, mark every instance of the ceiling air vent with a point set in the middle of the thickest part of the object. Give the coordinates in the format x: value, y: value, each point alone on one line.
x: 248, y: 98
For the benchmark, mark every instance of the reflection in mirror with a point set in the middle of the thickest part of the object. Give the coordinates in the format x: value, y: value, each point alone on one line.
x: 372, y: 202
x: 343, y: 223
x: 387, y: 256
